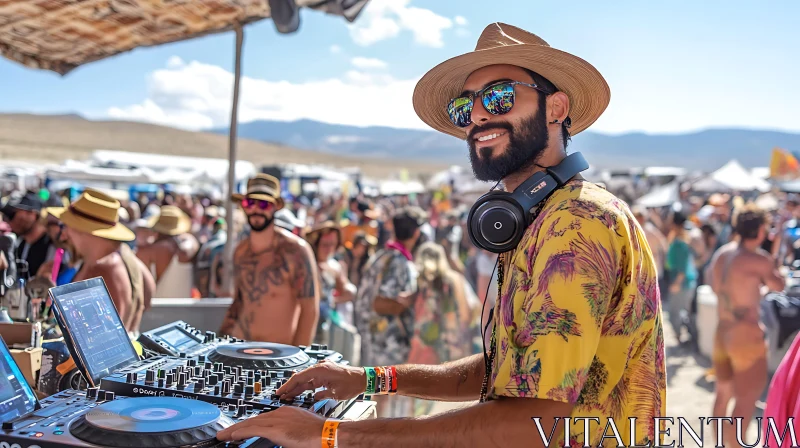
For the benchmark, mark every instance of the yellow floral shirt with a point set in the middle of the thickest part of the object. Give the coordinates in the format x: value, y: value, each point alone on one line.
x: 579, y: 317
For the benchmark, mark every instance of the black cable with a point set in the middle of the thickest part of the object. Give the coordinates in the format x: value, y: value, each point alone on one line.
x: 485, y: 328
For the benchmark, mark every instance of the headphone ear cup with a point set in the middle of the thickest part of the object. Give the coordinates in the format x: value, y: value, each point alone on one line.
x: 496, y: 222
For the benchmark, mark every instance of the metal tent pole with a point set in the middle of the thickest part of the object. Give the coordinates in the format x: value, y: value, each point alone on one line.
x: 230, y: 245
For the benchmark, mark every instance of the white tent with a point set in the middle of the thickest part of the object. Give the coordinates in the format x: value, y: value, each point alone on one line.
x: 737, y: 178
x: 662, y: 196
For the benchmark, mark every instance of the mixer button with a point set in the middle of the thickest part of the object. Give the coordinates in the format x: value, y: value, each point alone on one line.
x: 287, y: 373
x: 315, y: 347
x: 149, y: 376
x: 249, y: 392
x: 130, y: 378
x: 238, y: 389
x: 273, y: 374
x: 162, y: 373
x: 323, y: 347
x: 257, y: 388
x: 160, y: 382
x: 110, y: 396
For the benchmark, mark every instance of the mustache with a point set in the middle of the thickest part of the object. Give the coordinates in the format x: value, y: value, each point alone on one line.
x: 494, y: 125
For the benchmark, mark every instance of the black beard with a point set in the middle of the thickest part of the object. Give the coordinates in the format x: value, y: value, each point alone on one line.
x: 526, y: 144
x: 262, y: 227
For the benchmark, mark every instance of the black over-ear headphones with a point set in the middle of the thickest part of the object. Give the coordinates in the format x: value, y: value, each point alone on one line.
x: 498, y: 219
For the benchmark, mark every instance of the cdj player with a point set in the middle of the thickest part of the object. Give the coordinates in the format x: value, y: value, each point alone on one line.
x: 181, y: 339
x: 97, y: 418
x: 233, y: 381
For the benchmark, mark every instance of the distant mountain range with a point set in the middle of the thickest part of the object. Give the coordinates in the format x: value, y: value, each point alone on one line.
x: 703, y: 150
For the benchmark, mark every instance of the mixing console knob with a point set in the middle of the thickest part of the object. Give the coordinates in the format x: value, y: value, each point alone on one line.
x: 181, y: 381
x: 279, y: 384
x: 218, y: 366
x: 287, y: 373
x: 226, y: 387
x: 149, y: 376
x: 183, y: 355
x: 251, y: 374
x: 161, y: 382
x: 257, y: 376
x: 101, y: 395
x: 238, y: 371
x: 266, y: 381
x: 213, y: 379
x: 170, y: 379
x: 275, y: 396
x: 240, y: 410
x: 199, y: 385
x: 198, y: 371
x: 309, y: 397
x: 211, y: 335
x: 257, y: 388
x: 248, y: 392
x: 273, y: 374
x: 162, y: 373
x: 191, y: 363
x: 323, y: 347
x: 250, y: 381
x: 217, y: 389
x: 131, y: 378
x: 91, y: 393
x: 208, y: 365
x: 238, y: 389
x: 110, y: 396
x: 321, y: 356
x: 301, y: 347
x: 315, y: 347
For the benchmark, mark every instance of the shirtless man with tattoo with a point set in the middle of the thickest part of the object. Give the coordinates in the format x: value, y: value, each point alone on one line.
x: 738, y: 272
x: 276, y: 297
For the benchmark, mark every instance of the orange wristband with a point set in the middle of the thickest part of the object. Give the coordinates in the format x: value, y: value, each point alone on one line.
x: 329, y: 430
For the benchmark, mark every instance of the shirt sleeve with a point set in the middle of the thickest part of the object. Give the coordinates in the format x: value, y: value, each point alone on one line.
x: 564, y: 285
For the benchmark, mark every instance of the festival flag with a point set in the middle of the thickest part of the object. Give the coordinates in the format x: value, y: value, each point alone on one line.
x: 783, y: 165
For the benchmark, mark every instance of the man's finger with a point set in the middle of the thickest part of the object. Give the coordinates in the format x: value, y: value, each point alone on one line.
x: 300, y: 382
x: 226, y: 433
x: 252, y: 431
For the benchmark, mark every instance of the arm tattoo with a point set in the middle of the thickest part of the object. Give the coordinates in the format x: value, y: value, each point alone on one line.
x: 304, y: 277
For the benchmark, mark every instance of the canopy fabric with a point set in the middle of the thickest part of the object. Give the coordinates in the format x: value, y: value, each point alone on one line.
x: 60, y: 35
x: 735, y: 177
x: 662, y: 196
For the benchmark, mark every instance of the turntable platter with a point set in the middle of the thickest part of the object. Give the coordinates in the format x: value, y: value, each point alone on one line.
x: 260, y: 356
x: 158, y: 422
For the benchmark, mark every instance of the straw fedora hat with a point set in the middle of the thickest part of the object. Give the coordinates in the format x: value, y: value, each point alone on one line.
x: 171, y: 221
x: 262, y: 187
x: 499, y: 43
x: 94, y: 213
x: 314, y: 234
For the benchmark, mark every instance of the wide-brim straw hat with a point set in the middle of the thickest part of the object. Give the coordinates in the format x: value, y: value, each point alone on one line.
x: 499, y: 43
x: 171, y: 221
x: 262, y: 187
x: 94, y: 213
x: 313, y: 235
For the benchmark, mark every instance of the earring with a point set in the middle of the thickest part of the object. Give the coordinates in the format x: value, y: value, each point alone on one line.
x: 555, y: 121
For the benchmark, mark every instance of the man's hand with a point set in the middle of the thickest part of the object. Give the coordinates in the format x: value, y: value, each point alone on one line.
x: 286, y: 426
x: 340, y: 382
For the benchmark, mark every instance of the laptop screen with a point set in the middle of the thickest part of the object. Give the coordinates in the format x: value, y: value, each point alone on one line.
x: 93, y: 330
x: 16, y: 395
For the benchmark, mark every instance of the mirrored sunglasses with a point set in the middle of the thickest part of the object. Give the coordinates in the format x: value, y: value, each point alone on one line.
x: 497, y: 99
x: 260, y: 203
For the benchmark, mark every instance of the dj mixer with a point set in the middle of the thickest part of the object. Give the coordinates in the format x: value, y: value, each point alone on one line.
x: 159, y: 402
x: 234, y: 374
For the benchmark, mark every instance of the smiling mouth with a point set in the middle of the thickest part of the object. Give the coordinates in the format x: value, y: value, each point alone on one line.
x: 486, y: 138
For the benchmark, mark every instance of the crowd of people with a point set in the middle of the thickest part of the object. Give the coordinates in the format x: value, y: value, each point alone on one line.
x: 576, y: 323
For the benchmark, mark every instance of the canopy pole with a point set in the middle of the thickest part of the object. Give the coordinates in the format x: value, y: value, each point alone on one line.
x: 230, y: 245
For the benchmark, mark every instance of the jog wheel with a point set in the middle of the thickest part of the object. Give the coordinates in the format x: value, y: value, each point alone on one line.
x: 260, y: 356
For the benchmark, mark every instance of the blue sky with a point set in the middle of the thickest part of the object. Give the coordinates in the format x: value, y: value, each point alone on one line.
x: 672, y: 66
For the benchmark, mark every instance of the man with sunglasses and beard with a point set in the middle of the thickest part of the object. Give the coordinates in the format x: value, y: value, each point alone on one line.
x: 276, y: 293
x: 576, y: 333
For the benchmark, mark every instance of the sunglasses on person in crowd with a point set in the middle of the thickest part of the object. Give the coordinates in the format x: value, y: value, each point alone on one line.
x: 260, y: 203
x: 497, y: 99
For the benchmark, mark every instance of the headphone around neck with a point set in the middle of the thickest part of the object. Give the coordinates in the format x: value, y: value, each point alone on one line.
x: 498, y: 219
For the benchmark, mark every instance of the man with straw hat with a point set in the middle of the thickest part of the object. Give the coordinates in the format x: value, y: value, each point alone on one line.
x: 276, y: 292
x: 91, y: 224
x: 171, y: 252
x: 577, y: 331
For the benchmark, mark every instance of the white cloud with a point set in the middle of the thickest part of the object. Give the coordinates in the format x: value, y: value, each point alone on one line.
x: 460, y: 20
x: 197, y: 96
x: 335, y: 49
x: 384, y: 19
x: 343, y: 139
x: 366, y: 63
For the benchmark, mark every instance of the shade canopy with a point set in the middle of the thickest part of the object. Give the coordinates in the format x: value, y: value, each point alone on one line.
x: 59, y: 35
